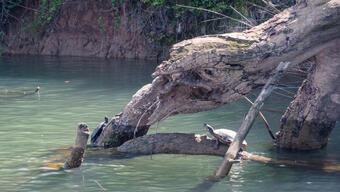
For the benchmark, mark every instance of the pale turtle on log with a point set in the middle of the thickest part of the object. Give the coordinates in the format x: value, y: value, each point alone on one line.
x: 225, y: 136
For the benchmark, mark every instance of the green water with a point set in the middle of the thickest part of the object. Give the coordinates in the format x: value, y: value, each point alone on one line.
x: 85, y: 90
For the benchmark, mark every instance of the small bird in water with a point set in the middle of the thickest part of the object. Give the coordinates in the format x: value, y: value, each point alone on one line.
x: 98, y: 131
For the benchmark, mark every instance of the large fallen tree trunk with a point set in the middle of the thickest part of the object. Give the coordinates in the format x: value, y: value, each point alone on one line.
x: 193, y: 144
x: 209, y: 71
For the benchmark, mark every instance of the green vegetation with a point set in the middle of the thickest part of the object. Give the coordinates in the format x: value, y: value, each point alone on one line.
x: 220, y: 6
x: 47, y: 11
x: 44, y: 13
x: 199, y: 17
x: 6, y: 11
x: 101, y: 26
x: 115, y: 3
x: 166, y: 21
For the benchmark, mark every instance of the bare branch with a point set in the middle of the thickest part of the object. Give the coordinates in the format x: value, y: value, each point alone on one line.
x: 244, y: 17
x: 217, y: 13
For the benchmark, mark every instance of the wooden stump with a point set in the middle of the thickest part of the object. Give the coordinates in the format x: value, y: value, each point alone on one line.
x: 311, y: 116
x: 78, y: 150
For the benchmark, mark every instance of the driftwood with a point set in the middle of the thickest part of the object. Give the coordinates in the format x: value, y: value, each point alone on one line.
x: 78, y: 150
x: 247, y: 123
x: 194, y: 144
x: 209, y: 71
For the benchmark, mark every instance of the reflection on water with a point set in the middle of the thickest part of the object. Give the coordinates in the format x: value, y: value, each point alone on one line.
x: 83, y: 89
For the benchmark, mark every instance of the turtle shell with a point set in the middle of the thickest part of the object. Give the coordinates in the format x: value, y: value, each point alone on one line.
x: 226, y: 135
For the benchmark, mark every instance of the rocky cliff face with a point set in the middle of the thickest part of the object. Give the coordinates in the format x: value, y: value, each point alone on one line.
x: 95, y: 28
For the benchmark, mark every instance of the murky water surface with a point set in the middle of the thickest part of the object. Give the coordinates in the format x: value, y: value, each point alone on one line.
x: 76, y: 90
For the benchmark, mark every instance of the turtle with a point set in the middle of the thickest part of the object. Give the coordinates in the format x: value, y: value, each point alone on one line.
x: 225, y: 136
x: 98, y: 130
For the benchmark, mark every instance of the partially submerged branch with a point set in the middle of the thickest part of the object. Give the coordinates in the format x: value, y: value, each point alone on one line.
x: 194, y: 144
x: 17, y: 93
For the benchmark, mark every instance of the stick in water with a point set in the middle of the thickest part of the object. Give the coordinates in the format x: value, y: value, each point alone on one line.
x: 247, y: 123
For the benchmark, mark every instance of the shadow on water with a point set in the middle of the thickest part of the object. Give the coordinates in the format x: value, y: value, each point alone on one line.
x: 205, y: 185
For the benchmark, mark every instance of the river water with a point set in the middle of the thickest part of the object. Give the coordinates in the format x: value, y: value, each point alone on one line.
x: 73, y: 90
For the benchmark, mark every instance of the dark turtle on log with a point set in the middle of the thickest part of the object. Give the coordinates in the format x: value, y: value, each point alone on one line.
x: 225, y: 136
x: 97, y: 131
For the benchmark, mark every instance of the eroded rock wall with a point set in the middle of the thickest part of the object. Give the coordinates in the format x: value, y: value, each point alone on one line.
x: 115, y: 28
x: 93, y: 28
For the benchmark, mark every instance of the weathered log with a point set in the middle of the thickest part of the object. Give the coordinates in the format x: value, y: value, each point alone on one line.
x: 209, y: 71
x: 173, y: 143
x: 311, y: 116
x: 194, y: 144
x: 248, y: 121
x: 115, y: 133
x: 78, y: 150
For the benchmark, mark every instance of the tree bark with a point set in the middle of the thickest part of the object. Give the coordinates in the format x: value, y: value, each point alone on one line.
x: 193, y: 144
x: 312, y: 114
x: 209, y: 71
x: 78, y: 150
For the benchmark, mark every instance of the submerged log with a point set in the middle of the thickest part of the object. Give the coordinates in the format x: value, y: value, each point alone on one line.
x: 209, y: 71
x: 194, y: 144
x: 78, y: 150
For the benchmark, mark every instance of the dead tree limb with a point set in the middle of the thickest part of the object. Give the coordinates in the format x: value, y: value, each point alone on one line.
x: 209, y: 71
x: 247, y: 123
x: 194, y: 144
